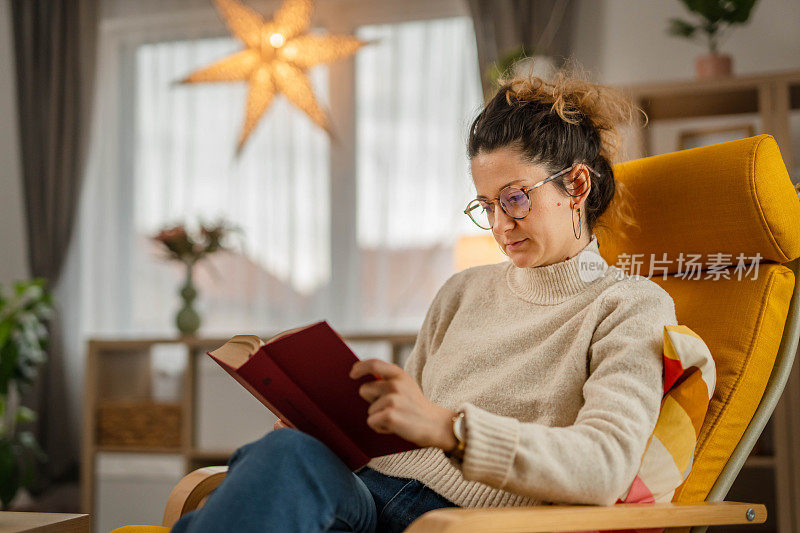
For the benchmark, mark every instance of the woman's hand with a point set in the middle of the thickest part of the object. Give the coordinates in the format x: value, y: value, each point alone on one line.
x: 397, y: 405
x: 279, y: 424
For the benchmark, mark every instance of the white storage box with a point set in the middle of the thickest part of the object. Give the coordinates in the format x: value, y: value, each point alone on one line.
x: 132, y: 488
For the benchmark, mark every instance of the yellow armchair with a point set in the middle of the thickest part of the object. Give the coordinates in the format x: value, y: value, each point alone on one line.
x: 734, y: 199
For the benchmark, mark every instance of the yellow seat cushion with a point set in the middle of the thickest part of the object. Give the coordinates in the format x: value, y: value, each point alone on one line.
x: 141, y: 529
x: 717, y: 202
x: 742, y: 324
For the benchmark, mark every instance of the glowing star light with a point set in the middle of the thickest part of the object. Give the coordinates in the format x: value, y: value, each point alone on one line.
x: 278, y: 53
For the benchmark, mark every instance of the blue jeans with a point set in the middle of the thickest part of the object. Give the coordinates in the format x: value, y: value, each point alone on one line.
x: 288, y: 481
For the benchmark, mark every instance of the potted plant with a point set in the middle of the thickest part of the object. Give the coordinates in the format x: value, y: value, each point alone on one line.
x: 519, y: 62
x: 189, y: 248
x: 715, y: 16
x: 23, y: 343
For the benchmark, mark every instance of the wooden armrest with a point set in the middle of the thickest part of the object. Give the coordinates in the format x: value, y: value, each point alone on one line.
x: 586, y: 517
x: 195, y: 486
x: 188, y: 494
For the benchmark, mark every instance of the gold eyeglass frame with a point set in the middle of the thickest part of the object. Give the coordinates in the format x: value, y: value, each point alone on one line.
x: 471, y: 206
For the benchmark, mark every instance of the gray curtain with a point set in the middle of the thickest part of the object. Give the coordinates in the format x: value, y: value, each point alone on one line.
x: 502, y: 25
x: 55, y: 47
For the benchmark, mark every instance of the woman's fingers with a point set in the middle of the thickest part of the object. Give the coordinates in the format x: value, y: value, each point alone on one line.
x: 374, y: 389
x: 279, y: 424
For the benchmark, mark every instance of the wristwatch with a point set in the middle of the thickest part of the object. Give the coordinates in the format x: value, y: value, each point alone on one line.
x: 460, y: 431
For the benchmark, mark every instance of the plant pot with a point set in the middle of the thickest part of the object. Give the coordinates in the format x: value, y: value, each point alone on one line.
x: 713, y: 66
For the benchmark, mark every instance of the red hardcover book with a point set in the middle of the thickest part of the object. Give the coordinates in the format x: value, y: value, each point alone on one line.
x: 302, y: 376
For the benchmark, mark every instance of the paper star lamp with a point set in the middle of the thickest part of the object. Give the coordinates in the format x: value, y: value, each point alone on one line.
x: 278, y: 53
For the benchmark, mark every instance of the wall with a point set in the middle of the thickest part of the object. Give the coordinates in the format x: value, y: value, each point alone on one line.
x: 13, y: 244
x: 626, y: 40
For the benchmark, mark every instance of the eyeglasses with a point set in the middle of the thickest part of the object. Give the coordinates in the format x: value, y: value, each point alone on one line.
x: 514, y: 201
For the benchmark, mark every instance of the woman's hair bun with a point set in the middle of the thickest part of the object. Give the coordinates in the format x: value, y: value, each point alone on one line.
x: 574, y: 98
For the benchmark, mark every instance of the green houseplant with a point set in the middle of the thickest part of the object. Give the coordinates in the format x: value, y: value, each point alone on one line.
x: 23, y: 344
x: 715, y: 16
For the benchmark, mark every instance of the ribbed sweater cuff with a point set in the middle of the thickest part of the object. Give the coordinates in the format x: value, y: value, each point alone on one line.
x: 492, y: 442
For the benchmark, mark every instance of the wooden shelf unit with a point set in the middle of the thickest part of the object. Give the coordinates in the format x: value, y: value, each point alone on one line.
x: 773, y: 97
x: 121, y: 369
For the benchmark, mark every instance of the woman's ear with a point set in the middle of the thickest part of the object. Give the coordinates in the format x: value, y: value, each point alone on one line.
x: 580, y: 183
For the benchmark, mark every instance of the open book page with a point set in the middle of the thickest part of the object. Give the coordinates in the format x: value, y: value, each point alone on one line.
x: 287, y: 332
x: 240, y: 348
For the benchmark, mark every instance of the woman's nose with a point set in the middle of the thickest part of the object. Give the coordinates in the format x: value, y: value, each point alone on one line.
x: 502, y: 221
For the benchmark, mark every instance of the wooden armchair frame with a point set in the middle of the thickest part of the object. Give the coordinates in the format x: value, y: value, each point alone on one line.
x: 192, y: 489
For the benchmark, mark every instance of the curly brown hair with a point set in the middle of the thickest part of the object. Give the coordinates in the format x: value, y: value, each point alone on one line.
x: 560, y: 122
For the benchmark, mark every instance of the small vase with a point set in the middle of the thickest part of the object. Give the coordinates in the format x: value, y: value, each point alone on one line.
x: 187, y: 319
x: 713, y: 66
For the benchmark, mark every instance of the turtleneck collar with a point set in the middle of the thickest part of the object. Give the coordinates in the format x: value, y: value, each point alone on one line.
x: 553, y: 284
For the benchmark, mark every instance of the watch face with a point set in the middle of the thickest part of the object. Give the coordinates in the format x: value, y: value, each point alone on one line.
x: 458, y: 428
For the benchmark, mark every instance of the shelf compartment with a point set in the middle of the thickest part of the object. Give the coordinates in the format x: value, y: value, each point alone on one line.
x: 133, y: 424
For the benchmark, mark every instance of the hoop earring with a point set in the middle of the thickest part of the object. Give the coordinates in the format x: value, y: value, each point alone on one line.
x: 580, y: 227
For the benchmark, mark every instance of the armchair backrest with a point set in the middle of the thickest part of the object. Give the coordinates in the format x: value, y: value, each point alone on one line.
x: 718, y: 228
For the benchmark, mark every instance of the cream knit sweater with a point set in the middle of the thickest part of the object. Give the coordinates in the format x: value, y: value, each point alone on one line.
x: 559, y: 374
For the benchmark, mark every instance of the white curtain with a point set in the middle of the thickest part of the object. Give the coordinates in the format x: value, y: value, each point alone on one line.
x: 277, y: 192
x: 162, y: 153
x: 417, y: 91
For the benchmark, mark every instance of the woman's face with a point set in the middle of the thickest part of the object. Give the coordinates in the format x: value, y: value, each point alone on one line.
x: 545, y: 236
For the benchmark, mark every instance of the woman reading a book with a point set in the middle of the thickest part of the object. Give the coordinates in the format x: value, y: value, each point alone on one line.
x: 533, y: 380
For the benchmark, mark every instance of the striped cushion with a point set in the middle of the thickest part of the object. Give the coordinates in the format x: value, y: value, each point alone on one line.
x: 689, y: 381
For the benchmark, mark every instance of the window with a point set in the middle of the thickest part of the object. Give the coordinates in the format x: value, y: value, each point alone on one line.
x: 164, y: 153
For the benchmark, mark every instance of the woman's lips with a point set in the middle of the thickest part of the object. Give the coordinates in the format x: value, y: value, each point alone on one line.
x: 515, y: 245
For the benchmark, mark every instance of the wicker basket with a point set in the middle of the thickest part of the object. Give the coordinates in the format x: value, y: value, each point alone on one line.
x: 138, y: 423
